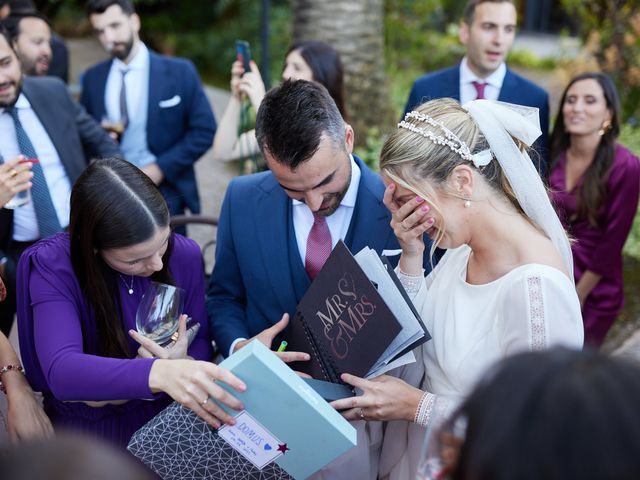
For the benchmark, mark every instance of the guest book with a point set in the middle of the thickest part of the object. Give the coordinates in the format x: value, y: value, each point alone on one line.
x: 354, y: 318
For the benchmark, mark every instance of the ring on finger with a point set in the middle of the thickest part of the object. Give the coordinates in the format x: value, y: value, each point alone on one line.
x: 361, y: 413
x: 205, y: 401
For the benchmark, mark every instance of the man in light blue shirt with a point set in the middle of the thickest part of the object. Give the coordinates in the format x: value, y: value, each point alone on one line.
x: 157, y: 102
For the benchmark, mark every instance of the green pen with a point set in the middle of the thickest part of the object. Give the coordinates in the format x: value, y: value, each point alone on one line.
x: 282, y: 347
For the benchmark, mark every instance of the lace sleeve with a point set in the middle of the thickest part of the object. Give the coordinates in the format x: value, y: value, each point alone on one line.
x: 433, y: 409
x: 540, y: 310
x: 411, y: 283
x: 537, y: 324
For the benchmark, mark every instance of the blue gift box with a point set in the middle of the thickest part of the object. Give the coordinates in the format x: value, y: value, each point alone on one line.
x: 289, y: 409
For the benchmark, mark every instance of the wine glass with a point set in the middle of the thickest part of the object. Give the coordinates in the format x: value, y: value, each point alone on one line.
x: 23, y: 197
x: 431, y: 465
x: 159, y: 311
x: 114, y: 129
x: 440, y: 450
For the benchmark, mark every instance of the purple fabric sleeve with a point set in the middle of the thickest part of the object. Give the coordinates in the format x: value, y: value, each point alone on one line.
x: 72, y: 374
x: 58, y: 310
x: 621, y: 204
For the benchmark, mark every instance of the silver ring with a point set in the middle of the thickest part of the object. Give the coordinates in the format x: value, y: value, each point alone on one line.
x: 361, y: 413
x: 205, y: 402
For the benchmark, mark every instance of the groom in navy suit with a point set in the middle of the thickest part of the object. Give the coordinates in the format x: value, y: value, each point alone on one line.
x: 487, y: 31
x: 276, y: 228
x: 159, y: 101
x: 263, y: 261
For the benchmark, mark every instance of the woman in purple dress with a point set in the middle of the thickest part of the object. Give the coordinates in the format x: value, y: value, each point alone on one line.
x: 595, y: 183
x: 78, y: 293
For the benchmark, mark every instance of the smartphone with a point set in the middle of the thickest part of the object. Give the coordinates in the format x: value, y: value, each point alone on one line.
x: 243, y: 53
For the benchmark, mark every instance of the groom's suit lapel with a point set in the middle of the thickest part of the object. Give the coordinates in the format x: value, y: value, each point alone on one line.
x: 277, y: 246
x: 273, y: 222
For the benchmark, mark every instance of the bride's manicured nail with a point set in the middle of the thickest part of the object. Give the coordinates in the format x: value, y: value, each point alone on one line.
x: 425, y: 208
x: 430, y: 221
x: 419, y: 199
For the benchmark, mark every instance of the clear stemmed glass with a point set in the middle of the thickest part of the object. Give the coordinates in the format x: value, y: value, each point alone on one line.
x: 431, y: 465
x: 441, y: 449
x: 159, y: 311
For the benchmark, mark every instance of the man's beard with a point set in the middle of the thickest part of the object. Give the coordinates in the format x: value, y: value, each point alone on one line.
x: 18, y: 88
x: 337, y: 197
x: 31, y: 67
x: 122, y: 53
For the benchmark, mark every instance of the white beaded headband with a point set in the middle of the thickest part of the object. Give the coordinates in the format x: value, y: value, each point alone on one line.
x: 449, y: 139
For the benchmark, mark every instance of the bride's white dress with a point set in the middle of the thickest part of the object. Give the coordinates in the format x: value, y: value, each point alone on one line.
x: 473, y: 326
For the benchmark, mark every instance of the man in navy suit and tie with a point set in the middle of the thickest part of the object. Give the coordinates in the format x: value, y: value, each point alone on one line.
x: 487, y: 31
x: 39, y: 120
x: 168, y: 122
x: 276, y: 229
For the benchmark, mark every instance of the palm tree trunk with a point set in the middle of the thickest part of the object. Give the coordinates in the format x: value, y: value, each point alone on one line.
x: 355, y: 29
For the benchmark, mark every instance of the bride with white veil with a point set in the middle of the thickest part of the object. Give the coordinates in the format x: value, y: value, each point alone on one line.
x: 461, y: 175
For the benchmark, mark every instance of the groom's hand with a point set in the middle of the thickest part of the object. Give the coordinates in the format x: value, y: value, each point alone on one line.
x: 266, y: 338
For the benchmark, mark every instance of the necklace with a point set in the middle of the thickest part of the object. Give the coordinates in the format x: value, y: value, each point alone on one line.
x: 130, y: 287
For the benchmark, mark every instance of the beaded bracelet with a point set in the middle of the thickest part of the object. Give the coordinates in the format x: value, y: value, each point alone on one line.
x: 425, y: 407
x: 8, y: 368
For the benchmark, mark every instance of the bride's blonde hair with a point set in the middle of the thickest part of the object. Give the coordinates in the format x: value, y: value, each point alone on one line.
x: 418, y: 163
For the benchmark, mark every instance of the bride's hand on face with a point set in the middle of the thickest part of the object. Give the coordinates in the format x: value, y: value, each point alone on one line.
x: 383, y: 398
x: 409, y: 221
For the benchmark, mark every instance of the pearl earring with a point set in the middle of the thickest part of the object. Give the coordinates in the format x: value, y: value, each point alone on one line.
x: 467, y: 203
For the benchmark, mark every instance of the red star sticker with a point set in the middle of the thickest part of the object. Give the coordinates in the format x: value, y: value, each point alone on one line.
x: 283, y: 448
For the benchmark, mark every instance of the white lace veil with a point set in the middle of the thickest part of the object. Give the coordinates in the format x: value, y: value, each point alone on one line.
x: 498, y: 121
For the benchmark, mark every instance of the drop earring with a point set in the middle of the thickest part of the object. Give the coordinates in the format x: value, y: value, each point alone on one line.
x: 606, y: 126
x: 467, y: 203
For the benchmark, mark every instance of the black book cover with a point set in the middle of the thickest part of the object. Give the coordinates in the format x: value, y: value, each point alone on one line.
x: 342, y: 321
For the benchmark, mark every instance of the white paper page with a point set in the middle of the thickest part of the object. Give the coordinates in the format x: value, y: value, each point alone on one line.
x: 411, y: 329
x: 405, y: 359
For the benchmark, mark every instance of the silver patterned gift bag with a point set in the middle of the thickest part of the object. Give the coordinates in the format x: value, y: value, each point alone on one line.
x: 178, y: 445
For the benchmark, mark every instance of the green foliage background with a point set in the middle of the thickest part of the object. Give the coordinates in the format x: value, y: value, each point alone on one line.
x: 610, y: 30
x: 420, y: 36
x: 630, y: 138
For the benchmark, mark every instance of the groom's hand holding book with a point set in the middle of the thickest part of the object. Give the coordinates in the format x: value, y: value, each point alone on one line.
x: 267, y: 336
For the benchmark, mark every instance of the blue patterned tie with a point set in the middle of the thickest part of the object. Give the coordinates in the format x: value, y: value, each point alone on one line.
x: 48, y: 223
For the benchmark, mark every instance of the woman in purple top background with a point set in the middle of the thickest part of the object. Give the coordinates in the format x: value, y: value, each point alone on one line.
x: 78, y: 293
x: 595, y: 184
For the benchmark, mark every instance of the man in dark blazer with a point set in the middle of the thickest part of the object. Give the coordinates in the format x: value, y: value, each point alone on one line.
x: 58, y: 65
x: 267, y: 251
x: 64, y: 138
x: 31, y: 37
x: 167, y: 118
x: 487, y: 31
